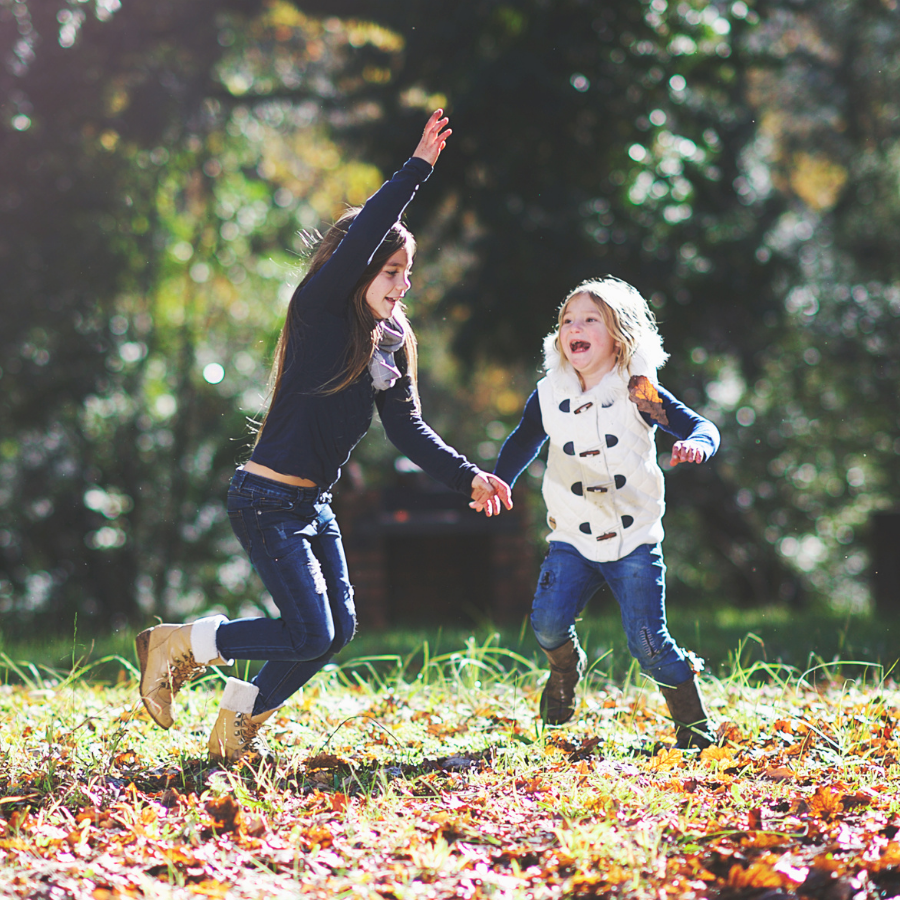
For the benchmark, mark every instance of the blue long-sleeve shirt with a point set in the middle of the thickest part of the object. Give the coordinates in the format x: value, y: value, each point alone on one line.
x: 310, y: 433
x: 525, y: 441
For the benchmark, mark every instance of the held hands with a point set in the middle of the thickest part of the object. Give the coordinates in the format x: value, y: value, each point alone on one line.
x: 688, y: 451
x: 434, y: 138
x: 488, y: 492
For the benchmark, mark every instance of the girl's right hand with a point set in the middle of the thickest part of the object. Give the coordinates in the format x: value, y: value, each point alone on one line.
x: 434, y: 138
x: 488, y: 494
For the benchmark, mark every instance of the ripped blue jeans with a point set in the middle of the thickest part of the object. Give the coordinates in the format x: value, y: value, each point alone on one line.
x: 637, y: 581
x: 294, y: 543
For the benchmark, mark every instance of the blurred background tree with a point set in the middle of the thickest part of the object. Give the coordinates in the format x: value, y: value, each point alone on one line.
x: 736, y: 161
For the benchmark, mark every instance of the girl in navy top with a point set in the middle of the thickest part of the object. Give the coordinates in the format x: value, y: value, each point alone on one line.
x: 346, y: 348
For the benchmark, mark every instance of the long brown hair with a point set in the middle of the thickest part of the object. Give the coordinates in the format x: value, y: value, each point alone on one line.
x: 365, y: 329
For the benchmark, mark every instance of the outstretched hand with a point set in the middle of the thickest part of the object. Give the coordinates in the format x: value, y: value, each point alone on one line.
x: 688, y: 451
x: 488, y: 492
x: 434, y: 137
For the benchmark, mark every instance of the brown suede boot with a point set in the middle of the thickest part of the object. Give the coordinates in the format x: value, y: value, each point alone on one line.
x: 235, y: 735
x: 566, y: 668
x: 689, y: 715
x: 172, y: 655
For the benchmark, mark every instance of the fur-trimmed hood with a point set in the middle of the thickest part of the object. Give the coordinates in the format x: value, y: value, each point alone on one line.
x: 647, y: 360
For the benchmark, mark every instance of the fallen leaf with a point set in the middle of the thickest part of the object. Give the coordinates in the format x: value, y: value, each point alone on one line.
x: 667, y: 758
x: 717, y: 755
x: 644, y: 395
x: 756, y: 875
x: 324, y: 761
x: 225, y: 813
x: 339, y: 802
x: 210, y: 888
x: 825, y: 803
x: 779, y: 773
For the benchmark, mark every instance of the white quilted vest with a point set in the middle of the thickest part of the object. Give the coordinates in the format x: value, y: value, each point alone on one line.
x: 603, y: 487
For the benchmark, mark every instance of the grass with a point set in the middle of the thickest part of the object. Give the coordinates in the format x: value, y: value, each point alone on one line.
x: 426, y: 774
x: 726, y: 638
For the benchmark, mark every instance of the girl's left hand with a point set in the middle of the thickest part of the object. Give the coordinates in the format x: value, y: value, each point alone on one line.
x: 688, y: 451
x: 434, y: 137
x: 488, y: 492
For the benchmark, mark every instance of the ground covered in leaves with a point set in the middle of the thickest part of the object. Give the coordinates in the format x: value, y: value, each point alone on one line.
x: 444, y: 785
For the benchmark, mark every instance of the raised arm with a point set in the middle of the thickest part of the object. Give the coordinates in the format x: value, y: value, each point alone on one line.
x: 334, y: 281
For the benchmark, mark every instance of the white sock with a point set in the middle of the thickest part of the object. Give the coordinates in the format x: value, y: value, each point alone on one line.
x: 239, y: 696
x: 203, y: 639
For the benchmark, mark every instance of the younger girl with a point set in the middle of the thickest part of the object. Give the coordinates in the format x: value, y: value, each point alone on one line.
x: 346, y: 347
x: 599, y: 404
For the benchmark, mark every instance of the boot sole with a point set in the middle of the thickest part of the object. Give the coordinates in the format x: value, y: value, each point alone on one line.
x: 557, y: 720
x: 142, y: 646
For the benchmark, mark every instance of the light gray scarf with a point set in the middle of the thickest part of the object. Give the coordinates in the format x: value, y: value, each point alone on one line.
x: 382, y: 368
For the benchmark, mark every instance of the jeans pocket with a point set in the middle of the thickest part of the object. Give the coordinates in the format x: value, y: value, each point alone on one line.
x: 284, y: 531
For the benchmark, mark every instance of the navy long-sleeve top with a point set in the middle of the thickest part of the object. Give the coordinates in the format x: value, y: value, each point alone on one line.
x: 525, y: 441
x: 310, y: 433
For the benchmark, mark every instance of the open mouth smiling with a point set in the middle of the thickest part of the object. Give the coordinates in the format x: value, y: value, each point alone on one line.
x: 579, y: 346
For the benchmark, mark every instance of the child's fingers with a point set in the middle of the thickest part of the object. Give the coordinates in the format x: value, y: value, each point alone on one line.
x: 686, y: 453
x: 502, y: 492
x: 439, y: 138
x: 436, y: 122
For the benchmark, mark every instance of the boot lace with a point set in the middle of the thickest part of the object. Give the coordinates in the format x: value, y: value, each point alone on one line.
x: 181, y: 671
x: 251, y: 743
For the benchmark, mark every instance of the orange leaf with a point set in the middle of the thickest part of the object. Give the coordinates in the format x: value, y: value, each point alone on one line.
x: 826, y: 803
x: 779, y: 773
x: 890, y: 856
x: 645, y: 396
x: 126, y: 758
x: 210, y: 888
x: 728, y: 731
x: 339, y: 802
x: 762, y: 840
x: 530, y: 786
x: 667, y: 758
x: 756, y: 875
x: 716, y: 754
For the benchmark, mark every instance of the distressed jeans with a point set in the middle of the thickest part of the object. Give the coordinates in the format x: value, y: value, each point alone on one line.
x: 637, y: 581
x: 294, y: 543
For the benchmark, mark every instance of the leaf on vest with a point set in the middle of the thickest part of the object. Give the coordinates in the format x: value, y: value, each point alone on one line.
x: 645, y: 396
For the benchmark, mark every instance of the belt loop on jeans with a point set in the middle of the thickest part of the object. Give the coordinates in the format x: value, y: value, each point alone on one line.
x: 240, y: 476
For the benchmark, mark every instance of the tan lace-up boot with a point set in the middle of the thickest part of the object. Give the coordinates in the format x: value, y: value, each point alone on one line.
x: 566, y: 668
x: 235, y: 735
x: 172, y: 655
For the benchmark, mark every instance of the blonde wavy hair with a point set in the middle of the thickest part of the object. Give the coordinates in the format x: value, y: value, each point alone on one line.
x: 627, y: 318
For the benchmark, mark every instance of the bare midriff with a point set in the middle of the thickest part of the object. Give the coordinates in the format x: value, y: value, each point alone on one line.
x: 266, y: 472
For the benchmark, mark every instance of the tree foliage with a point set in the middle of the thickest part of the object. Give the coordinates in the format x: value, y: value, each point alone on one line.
x: 737, y: 162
